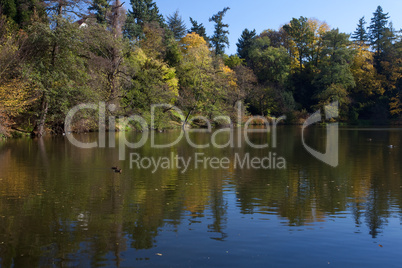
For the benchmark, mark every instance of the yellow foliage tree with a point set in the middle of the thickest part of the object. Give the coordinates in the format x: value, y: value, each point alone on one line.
x: 367, y: 80
x: 15, y: 96
x: 191, y: 41
x: 319, y: 28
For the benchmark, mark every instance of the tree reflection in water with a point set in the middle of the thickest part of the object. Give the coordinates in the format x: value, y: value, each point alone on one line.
x: 62, y: 206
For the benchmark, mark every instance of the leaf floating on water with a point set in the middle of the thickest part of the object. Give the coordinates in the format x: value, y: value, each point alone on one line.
x: 158, y: 254
x: 380, y: 246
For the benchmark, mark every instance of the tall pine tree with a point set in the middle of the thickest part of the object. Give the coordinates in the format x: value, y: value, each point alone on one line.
x: 220, y: 38
x: 199, y: 29
x: 144, y: 11
x: 101, y: 8
x: 377, y: 29
x: 176, y: 25
x: 244, y: 44
x: 360, y: 35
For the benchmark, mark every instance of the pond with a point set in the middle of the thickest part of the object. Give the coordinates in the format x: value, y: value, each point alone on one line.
x: 63, y: 206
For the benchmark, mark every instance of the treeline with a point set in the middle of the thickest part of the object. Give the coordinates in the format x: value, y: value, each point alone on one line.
x: 55, y: 54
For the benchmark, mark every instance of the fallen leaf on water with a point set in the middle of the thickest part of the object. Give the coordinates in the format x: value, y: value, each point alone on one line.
x: 158, y: 254
x: 380, y: 246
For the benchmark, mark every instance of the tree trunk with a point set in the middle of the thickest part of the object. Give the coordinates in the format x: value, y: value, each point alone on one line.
x: 116, y: 53
x: 39, y: 129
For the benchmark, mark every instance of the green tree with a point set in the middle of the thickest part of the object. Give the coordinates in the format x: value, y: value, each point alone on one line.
x: 65, y: 7
x: 377, y: 29
x: 360, y: 35
x: 105, y: 60
x: 9, y: 8
x: 23, y: 12
x: 390, y: 67
x: 15, y: 93
x: 246, y: 82
x: 144, y: 11
x: 244, y: 44
x: 335, y: 77
x: 368, y: 87
x: 220, y: 38
x: 153, y: 43
x: 59, y: 75
x: 101, y: 8
x: 199, y: 29
x: 152, y: 82
x: 176, y: 25
x: 270, y: 64
x: 232, y: 61
x: 195, y: 75
x: 302, y: 35
x: 172, y: 55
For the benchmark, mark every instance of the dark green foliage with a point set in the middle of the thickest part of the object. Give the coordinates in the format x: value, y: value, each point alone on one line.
x: 270, y: 64
x: 143, y: 11
x: 377, y: 29
x: 360, y: 35
x: 244, y: 44
x: 23, y: 12
x: 336, y: 57
x: 173, y: 55
x: 335, y: 76
x: 232, y: 61
x: 220, y: 38
x: 9, y: 8
x: 101, y: 8
x: 198, y: 29
x: 176, y: 25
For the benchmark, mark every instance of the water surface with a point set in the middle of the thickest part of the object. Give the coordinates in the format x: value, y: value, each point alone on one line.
x: 62, y: 206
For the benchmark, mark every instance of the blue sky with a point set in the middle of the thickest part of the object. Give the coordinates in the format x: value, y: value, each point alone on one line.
x: 269, y: 14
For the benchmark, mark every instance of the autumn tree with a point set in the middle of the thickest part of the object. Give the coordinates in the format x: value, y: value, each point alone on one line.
x: 220, y: 38
x: 151, y: 82
x: 16, y: 94
x: 302, y: 35
x: 319, y: 29
x: 390, y: 67
x: 368, y: 87
x: 195, y: 74
x: 59, y: 78
x: 246, y: 83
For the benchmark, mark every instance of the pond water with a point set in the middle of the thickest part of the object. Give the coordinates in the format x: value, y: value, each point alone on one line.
x: 62, y: 206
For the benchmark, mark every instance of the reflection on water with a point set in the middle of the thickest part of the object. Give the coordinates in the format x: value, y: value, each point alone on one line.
x: 64, y: 206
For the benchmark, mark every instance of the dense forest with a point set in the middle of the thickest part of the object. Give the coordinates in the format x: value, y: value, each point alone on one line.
x: 55, y: 54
